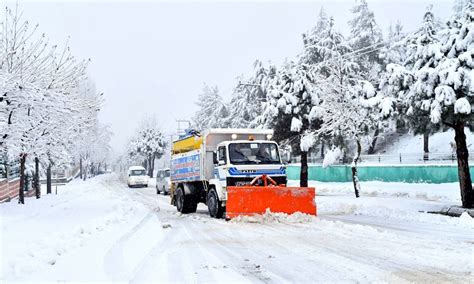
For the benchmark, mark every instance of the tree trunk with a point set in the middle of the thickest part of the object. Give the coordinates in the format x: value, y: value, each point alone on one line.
x: 80, y: 168
x: 322, y: 149
x: 304, y: 170
x: 374, y: 142
x: 355, y: 177
x: 21, y: 195
x: 465, y: 183
x: 36, y: 179
x: 152, y: 166
x: 426, y: 148
x: 48, y: 179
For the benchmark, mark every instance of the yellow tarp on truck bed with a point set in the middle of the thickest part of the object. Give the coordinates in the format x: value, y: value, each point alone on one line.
x: 187, y: 144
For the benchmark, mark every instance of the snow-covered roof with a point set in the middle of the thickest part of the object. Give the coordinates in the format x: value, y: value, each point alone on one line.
x: 239, y: 131
x: 136, y: 168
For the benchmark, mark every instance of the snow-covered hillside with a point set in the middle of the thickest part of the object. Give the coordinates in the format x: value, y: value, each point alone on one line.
x: 100, y: 230
x: 438, y: 143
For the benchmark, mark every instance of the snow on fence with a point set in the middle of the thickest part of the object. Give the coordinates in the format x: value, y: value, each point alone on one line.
x: 391, y: 159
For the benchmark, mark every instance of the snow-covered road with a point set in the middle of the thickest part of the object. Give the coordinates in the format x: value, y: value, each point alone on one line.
x: 101, y: 230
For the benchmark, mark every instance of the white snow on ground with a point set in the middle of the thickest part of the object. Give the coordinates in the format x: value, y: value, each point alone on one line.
x: 100, y: 230
x: 272, y: 217
x: 438, y: 143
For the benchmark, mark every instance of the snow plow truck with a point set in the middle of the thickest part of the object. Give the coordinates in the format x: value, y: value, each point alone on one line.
x: 235, y: 172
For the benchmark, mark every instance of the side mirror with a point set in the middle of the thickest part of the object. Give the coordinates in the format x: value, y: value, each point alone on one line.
x: 285, y: 158
x: 214, y: 158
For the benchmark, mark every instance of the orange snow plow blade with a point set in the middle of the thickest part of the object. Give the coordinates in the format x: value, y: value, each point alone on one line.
x: 250, y: 200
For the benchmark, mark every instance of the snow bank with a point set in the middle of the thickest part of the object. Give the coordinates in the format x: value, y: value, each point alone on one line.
x: 272, y: 217
x: 40, y: 237
x: 446, y: 192
x: 391, y: 201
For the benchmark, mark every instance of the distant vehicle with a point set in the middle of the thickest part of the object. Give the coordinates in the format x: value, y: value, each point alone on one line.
x: 108, y: 171
x: 137, y: 177
x: 163, y: 182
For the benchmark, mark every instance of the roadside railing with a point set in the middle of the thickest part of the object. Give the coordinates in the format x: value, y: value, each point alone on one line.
x: 400, y: 158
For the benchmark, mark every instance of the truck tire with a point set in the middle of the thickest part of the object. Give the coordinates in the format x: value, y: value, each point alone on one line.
x: 185, y: 203
x: 214, y: 205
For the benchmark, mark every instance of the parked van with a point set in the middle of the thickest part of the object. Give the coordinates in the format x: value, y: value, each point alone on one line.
x: 137, y: 177
x: 163, y: 181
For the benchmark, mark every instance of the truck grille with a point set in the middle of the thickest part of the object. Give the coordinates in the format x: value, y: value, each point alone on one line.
x: 239, y: 181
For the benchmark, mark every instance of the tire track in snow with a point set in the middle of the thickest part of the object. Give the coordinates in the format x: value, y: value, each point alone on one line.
x: 113, y: 261
x: 199, y: 264
x: 187, y: 259
x: 221, y: 249
x: 374, y: 263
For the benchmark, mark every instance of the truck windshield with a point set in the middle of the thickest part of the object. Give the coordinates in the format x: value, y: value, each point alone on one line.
x: 254, y: 153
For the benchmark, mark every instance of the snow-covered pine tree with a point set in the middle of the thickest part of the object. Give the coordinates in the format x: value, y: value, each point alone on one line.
x: 395, y: 50
x: 289, y: 102
x: 312, y: 40
x: 417, y: 46
x: 459, y: 7
x: 441, y: 86
x: 248, y: 98
x: 213, y: 111
x: 365, y: 34
x: 366, y: 38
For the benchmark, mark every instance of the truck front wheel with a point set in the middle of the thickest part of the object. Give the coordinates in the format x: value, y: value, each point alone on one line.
x: 185, y: 203
x: 214, y: 205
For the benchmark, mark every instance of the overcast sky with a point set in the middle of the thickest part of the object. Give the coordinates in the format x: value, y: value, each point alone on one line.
x: 152, y: 58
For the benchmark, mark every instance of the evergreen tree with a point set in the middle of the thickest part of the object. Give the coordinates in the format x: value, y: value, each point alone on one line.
x: 395, y: 50
x: 290, y: 99
x: 213, y: 111
x: 460, y: 6
x: 420, y: 46
x: 249, y: 96
x: 311, y: 40
x: 365, y: 32
x: 440, y: 86
x: 366, y: 38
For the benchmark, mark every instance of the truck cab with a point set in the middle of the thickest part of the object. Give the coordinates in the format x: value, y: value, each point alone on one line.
x: 238, y: 162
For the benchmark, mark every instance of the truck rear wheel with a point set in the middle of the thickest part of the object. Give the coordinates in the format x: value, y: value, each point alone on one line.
x: 185, y: 203
x: 214, y: 205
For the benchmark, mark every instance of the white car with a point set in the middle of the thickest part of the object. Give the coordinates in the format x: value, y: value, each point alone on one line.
x: 137, y: 177
x: 163, y: 182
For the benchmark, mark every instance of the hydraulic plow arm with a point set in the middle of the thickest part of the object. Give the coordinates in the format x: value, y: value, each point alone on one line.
x: 250, y: 200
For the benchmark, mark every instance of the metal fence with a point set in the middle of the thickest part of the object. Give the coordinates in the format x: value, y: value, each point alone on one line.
x: 10, y: 169
x: 385, y: 159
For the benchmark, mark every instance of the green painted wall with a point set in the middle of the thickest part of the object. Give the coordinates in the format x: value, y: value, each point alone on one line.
x: 410, y: 174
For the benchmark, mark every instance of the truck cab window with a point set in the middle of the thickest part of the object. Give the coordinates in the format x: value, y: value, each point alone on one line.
x: 221, y: 156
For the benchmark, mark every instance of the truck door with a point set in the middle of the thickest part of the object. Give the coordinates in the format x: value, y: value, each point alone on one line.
x: 221, y: 167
